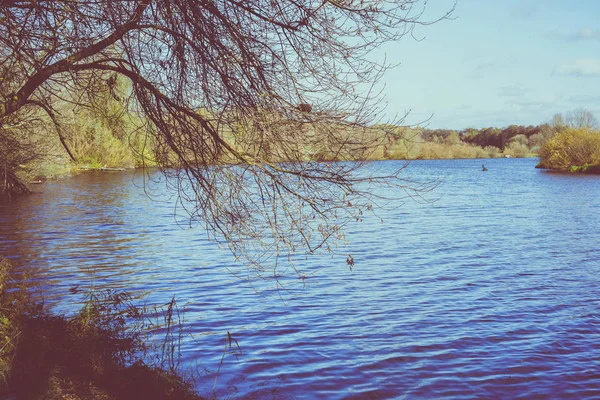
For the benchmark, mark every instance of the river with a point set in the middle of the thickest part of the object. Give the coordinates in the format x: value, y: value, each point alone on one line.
x: 489, y: 287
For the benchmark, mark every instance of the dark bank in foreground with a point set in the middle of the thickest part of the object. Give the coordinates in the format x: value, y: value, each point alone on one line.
x: 98, y: 354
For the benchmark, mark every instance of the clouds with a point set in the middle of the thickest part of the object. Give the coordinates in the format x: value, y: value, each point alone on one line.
x: 580, y: 35
x: 512, y: 62
x: 515, y: 90
x: 484, y: 68
x: 583, y: 98
x: 535, y: 103
x: 582, y: 67
x: 586, y: 34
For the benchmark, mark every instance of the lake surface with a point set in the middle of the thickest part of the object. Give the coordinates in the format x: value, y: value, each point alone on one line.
x: 488, y: 289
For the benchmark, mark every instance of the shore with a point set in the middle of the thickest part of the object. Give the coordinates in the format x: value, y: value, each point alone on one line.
x: 94, y: 355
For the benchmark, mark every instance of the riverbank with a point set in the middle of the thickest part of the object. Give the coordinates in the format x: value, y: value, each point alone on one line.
x: 586, y: 169
x: 98, y: 354
x: 49, y: 172
x: 106, y: 146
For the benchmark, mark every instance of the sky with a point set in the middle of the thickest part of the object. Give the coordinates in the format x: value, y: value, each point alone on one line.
x: 497, y: 63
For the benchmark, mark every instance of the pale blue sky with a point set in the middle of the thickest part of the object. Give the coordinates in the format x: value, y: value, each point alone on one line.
x: 499, y: 62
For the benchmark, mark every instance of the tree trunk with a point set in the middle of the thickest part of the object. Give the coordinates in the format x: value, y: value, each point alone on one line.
x: 10, y: 184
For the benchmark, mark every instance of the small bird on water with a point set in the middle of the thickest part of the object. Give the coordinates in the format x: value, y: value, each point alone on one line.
x: 483, y: 168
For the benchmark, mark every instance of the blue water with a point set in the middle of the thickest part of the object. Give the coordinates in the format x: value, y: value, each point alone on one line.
x: 488, y: 287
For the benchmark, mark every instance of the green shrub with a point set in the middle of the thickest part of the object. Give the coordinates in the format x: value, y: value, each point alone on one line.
x: 571, y: 149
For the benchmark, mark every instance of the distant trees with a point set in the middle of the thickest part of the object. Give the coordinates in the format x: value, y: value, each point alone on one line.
x: 497, y: 137
x: 570, y: 143
x: 204, y: 74
x: 516, y: 140
x: 100, y: 130
x: 581, y: 118
x: 452, y: 147
x: 571, y: 149
x: 401, y: 142
x: 93, y: 131
x: 537, y: 140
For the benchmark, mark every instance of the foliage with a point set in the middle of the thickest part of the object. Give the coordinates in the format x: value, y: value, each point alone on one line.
x: 100, y: 353
x: 8, y: 331
x: 520, y: 139
x: 517, y: 149
x: 18, y: 146
x: 102, y: 132
x: 497, y: 137
x: 515, y: 140
x: 571, y: 149
x: 433, y: 151
x: 96, y: 131
x: 395, y: 142
x: 405, y: 144
x: 25, y: 142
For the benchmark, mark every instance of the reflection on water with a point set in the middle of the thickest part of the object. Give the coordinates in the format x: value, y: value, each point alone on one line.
x: 491, y: 291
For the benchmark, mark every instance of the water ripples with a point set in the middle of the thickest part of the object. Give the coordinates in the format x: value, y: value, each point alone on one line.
x: 490, y: 291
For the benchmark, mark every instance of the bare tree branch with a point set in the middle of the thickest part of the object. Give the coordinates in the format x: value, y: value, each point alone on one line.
x: 243, y: 100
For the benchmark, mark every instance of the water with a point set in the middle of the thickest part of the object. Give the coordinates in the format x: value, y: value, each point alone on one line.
x: 490, y: 291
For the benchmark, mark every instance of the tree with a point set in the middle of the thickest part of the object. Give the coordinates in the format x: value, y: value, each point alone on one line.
x: 520, y: 139
x: 557, y: 122
x: 19, y: 143
x: 581, y: 118
x: 571, y: 149
x: 517, y: 149
x: 578, y: 118
x: 14, y: 151
x: 207, y: 75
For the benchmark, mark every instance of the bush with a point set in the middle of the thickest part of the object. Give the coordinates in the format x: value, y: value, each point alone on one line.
x: 517, y: 149
x: 492, y: 151
x: 106, y: 132
x: 571, y: 149
x: 434, y: 151
x: 101, y: 353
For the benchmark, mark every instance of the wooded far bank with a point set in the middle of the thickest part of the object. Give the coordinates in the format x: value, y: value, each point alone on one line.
x: 109, y: 139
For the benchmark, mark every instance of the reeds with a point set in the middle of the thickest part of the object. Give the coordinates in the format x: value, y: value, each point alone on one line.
x: 104, y: 351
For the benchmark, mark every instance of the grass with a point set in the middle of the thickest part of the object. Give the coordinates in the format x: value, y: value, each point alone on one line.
x: 97, y: 354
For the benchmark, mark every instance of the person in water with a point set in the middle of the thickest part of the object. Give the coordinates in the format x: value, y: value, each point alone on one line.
x: 483, y: 168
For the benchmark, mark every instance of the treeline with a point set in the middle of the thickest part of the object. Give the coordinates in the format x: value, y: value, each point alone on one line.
x: 517, y: 139
x: 419, y: 143
x: 511, y: 141
x: 106, y: 131
x: 108, y: 134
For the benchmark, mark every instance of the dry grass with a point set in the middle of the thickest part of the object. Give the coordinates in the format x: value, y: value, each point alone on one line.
x: 98, y: 354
